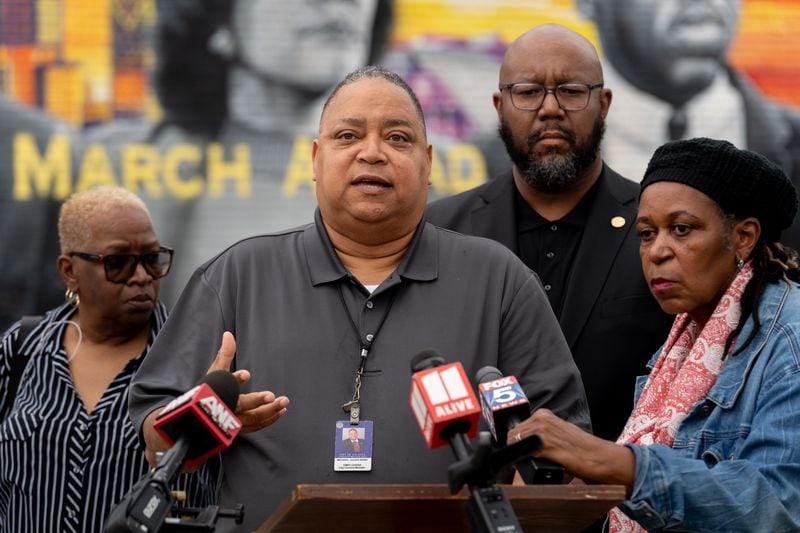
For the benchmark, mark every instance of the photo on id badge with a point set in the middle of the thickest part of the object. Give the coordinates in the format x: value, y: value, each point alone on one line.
x: 353, y: 446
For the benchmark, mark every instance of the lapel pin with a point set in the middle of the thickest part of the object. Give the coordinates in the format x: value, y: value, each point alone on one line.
x: 617, y: 221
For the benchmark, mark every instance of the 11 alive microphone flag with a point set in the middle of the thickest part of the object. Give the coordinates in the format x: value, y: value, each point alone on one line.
x: 203, y: 417
x: 440, y: 397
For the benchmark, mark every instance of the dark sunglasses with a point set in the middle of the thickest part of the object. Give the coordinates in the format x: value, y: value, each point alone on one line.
x: 120, y: 267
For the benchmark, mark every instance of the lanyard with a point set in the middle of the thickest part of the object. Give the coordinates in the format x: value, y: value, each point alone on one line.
x: 354, y: 406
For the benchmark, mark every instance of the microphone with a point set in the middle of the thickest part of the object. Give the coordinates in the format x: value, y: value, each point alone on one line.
x: 504, y: 406
x: 447, y: 410
x: 203, y: 416
x: 503, y: 402
x: 197, y: 424
x: 444, y: 405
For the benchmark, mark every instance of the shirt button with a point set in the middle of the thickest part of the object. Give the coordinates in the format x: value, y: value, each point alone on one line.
x: 70, y: 513
x: 370, y: 304
x: 369, y: 337
x: 706, y: 410
x: 553, y: 227
x: 76, y: 470
x: 547, y: 287
x: 550, y: 255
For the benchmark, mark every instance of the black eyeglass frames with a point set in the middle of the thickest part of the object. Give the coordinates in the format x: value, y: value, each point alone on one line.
x: 120, y: 267
x: 527, y: 96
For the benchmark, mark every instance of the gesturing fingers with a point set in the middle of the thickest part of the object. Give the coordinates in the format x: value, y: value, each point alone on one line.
x: 224, y: 357
x: 257, y: 410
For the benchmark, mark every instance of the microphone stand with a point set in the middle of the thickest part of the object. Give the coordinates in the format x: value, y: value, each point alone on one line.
x: 193, y: 519
x: 488, y: 509
x: 146, y: 507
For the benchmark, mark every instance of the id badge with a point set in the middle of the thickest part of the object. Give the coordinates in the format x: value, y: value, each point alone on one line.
x: 352, y: 450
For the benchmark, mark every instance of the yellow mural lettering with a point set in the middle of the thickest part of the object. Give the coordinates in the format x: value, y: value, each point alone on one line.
x: 189, y: 156
x: 140, y: 168
x: 438, y: 176
x: 300, y: 171
x: 96, y: 169
x: 48, y: 175
x: 467, y: 168
x: 237, y: 170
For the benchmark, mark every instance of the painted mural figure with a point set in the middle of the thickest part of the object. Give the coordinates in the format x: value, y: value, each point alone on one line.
x: 240, y: 84
x: 29, y: 282
x: 667, y: 63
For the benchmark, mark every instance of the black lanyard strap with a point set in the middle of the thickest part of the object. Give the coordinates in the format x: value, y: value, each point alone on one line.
x: 354, y: 406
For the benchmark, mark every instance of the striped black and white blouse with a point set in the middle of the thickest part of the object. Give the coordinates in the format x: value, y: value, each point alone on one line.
x: 61, y: 468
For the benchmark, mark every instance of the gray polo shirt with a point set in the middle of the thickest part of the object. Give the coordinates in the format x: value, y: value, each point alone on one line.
x: 284, y: 295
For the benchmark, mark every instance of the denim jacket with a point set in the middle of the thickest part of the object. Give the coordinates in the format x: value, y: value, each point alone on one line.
x: 735, y: 462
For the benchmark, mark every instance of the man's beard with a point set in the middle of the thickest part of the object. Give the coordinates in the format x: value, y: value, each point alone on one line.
x: 553, y: 172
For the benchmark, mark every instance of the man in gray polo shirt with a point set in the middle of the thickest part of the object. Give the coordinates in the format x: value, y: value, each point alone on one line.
x: 369, y: 282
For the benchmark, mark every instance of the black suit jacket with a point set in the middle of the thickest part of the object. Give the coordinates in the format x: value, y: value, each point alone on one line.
x: 610, y: 319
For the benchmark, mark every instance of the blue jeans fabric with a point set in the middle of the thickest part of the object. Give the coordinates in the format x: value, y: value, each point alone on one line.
x: 735, y: 462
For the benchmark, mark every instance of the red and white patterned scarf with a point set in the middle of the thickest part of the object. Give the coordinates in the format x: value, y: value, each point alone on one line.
x: 682, y: 376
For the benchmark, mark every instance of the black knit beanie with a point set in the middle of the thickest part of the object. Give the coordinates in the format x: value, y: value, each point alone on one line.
x: 742, y: 182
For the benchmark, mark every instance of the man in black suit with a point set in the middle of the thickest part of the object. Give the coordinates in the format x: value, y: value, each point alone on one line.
x: 353, y: 444
x: 567, y: 215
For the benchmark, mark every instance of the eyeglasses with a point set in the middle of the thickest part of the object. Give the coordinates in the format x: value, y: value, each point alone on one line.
x: 120, y: 267
x: 530, y: 96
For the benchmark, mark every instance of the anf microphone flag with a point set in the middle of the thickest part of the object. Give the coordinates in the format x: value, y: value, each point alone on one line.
x: 204, y: 418
x: 441, y: 396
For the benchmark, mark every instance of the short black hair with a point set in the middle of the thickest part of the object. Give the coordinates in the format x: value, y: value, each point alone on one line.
x: 376, y: 71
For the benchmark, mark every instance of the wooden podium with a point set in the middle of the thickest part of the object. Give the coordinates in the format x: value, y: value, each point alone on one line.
x: 429, y: 508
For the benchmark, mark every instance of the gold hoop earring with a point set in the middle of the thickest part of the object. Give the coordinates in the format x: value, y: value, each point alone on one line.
x: 72, y: 297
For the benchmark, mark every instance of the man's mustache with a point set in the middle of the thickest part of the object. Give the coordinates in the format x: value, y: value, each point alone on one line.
x: 536, y: 135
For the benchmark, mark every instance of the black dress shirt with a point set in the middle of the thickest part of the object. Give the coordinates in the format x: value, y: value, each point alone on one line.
x: 549, y: 247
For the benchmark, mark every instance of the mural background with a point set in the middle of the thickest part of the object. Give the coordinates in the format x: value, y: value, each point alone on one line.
x: 103, y: 91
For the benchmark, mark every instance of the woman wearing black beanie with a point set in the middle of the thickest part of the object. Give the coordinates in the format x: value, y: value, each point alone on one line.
x: 713, y: 442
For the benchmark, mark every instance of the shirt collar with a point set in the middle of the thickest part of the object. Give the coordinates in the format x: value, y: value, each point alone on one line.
x: 578, y: 217
x: 420, y: 262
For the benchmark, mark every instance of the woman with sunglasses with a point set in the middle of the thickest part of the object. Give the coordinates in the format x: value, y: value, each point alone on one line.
x: 68, y: 451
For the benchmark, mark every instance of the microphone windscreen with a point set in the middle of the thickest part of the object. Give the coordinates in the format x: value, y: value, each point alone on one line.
x: 224, y: 385
x: 427, y: 358
x: 487, y: 373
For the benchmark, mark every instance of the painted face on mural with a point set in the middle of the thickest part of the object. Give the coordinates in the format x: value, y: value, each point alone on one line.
x: 550, y: 147
x: 310, y: 44
x: 670, y: 48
